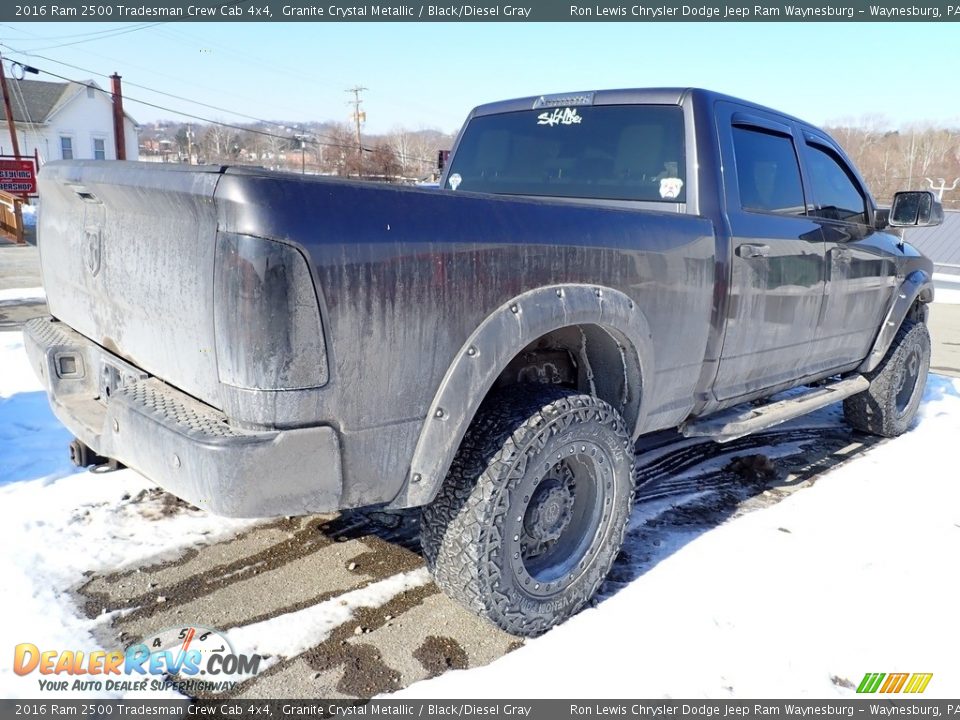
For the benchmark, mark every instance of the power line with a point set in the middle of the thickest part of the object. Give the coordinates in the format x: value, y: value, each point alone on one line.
x: 125, y: 62
x: 117, y: 32
x: 245, y: 56
x: 159, y: 92
x: 148, y: 89
x: 211, y: 121
x: 105, y: 33
x: 356, y: 104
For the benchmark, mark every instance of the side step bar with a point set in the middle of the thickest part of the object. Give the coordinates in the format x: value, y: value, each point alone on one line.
x: 730, y: 425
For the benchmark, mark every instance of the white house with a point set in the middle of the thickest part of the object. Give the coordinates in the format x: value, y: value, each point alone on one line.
x: 64, y: 121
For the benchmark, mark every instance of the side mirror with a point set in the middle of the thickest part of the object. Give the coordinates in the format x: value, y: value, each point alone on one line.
x: 915, y: 208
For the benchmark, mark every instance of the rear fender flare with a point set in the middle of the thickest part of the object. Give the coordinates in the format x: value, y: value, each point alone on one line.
x: 918, y: 284
x: 497, y: 340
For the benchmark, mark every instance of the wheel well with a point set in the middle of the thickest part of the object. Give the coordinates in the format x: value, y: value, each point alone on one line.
x: 589, y: 358
x: 918, y: 311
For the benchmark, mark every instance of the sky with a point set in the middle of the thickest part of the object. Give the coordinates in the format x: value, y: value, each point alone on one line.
x: 429, y: 75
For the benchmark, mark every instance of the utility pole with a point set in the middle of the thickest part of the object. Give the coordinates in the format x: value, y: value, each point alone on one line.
x: 119, y: 136
x: 943, y: 186
x: 358, y: 117
x: 303, y: 143
x: 17, y: 210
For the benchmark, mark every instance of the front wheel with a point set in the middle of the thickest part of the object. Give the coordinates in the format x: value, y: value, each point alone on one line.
x: 532, y: 514
x: 890, y: 404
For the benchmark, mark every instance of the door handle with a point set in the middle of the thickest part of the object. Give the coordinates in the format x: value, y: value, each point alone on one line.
x: 753, y: 251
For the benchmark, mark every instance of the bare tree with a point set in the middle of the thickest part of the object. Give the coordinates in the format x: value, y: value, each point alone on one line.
x: 892, y: 160
x: 384, y: 163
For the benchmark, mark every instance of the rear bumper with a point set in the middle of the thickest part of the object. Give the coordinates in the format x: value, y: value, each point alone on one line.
x: 185, y: 446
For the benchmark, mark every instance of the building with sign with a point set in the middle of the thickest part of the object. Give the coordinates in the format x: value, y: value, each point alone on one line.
x: 64, y: 121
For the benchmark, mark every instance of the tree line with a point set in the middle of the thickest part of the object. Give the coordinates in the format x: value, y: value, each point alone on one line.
x: 915, y: 157
x: 316, y: 148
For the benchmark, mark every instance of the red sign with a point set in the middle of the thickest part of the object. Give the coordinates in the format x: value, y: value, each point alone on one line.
x: 18, y: 177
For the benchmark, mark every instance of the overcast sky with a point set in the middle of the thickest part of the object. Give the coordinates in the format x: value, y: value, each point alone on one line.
x: 431, y: 74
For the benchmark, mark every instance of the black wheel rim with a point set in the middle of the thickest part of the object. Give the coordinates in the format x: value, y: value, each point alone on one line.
x: 563, y: 513
x: 907, y: 379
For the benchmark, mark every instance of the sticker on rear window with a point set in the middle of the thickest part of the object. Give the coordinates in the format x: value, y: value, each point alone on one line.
x: 455, y: 181
x: 670, y: 187
x: 565, y: 116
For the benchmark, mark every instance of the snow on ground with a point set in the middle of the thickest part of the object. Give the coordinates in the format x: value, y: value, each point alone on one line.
x: 56, y: 523
x: 15, y: 296
x: 293, y: 633
x: 850, y: 576
x: 946, y: 288
x: 856, y: 574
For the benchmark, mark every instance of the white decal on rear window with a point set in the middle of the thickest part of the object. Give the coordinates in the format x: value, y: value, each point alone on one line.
x: 670, y: 187
x: 566, y: 116
x: 455, y: 181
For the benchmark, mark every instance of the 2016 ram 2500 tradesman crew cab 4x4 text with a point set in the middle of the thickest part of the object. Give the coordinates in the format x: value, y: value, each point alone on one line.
x: 596, y: 266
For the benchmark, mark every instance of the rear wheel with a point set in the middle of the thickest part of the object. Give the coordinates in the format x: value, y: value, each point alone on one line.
x: 890, y: 404
x: 533, y: 511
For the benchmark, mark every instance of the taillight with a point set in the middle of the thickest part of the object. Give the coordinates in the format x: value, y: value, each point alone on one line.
x: 267, y: 319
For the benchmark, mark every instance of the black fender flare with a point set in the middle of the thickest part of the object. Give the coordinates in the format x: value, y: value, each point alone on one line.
x: 918, y: 284
x: 498, y: 339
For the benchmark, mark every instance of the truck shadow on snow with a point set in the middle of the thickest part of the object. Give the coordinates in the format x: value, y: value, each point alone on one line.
x: 34, y: 441
x: 685, y: 489
x: 690, y: 488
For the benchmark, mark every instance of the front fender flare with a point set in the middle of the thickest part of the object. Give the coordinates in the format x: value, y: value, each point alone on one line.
x: 497, y: 340
x: 919, y: 283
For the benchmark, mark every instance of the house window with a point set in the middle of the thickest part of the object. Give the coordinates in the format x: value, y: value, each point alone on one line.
x: 99, y: 149
x: 66, y: 147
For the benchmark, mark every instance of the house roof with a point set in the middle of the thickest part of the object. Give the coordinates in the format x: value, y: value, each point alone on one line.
x: 941, y: 243
x: 33, y: 101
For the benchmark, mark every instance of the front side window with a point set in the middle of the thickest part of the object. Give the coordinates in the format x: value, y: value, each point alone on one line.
x: 66, y: 147
x: 768, y: 174
x: 99, y: 149
x: 837, y: 194
x: 613, y: 152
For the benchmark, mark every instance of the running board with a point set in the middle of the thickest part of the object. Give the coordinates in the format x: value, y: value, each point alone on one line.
x: 731, y: 425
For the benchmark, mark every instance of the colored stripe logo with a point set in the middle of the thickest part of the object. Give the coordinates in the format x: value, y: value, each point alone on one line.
x: 894, y: 682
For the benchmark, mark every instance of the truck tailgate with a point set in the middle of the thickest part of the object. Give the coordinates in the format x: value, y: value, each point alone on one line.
x: 127, y: 255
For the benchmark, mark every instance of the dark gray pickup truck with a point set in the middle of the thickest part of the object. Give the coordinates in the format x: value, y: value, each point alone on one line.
x: 595, y: 266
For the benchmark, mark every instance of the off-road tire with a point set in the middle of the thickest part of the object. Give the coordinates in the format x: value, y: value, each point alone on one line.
x: 526, y: 470
x: 890, y: 404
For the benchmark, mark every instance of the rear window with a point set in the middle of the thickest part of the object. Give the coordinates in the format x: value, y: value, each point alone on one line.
x: 613, y: 152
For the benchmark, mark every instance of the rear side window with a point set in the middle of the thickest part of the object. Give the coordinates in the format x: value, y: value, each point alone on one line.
x: 837, y: 195
x: 614, y: 152
x: 768, y: 173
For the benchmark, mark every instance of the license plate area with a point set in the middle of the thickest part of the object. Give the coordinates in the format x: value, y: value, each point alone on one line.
x: 115, y: 375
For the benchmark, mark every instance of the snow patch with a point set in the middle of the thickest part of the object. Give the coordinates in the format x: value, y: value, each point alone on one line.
x: 16, y: 376
x: 57, y: 522
x: 946, y: 289
x: 11, y: 296
x: 847, y: 577
x: 293, y: 633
